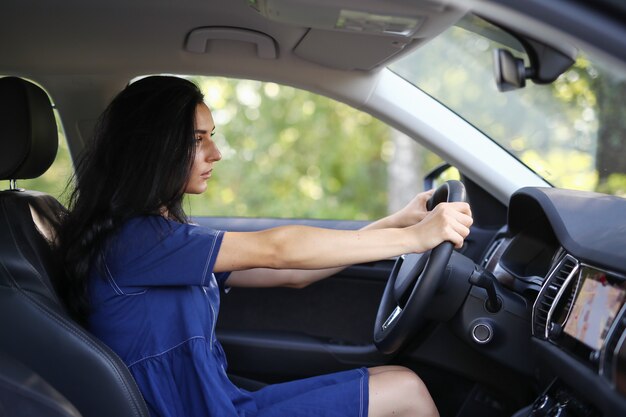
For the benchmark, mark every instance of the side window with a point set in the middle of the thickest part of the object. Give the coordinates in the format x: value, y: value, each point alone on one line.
x: 292, y: 154
x: 55, y: 179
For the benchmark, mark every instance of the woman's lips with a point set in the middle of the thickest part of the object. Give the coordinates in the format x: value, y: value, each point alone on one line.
x: 206, y: 174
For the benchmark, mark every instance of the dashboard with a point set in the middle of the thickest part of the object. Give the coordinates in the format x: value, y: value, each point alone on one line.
x: 565, y: 252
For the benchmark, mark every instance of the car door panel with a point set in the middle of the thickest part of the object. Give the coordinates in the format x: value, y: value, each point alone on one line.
x: 324, y: 327
x: 275, y: 334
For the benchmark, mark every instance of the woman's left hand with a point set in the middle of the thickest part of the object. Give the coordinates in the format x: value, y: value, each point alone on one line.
x: 414, y: 212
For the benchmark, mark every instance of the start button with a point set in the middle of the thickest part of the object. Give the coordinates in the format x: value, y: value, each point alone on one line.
x: 482, y: 333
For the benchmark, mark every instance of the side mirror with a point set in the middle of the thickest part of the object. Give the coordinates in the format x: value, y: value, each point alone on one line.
x: 435, y: 177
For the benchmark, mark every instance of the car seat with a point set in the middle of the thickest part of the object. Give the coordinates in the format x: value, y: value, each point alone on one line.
x: 34, y: 327
x: 24, y: 394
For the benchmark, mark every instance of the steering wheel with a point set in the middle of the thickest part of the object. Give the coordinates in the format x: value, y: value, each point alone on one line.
x: 413, y: 283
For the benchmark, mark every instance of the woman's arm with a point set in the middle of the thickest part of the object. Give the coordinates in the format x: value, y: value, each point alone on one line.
x: 301, y: 247
x: 412, y: 213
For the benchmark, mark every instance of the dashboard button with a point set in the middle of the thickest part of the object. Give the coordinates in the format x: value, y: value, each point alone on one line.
x: 554, y: 331
x: 482, y: 333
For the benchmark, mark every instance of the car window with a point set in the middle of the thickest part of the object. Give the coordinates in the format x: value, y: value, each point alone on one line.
x: 289, y: 153
x: 569, y: 132
x: 55, y: 179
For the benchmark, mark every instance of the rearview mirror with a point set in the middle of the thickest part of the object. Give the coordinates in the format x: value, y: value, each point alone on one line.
x: 510, y: 72
x: 546, y: 64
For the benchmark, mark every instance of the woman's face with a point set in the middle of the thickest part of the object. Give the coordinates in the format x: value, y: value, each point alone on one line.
x: 206, y: 151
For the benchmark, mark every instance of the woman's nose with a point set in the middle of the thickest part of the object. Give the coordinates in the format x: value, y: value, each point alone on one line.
x: 214, y: 153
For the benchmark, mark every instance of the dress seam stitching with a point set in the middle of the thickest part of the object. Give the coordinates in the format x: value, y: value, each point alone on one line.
x: 113, y: 283
x: 111, y: 280
x: 208, y: 259
x: 361, y: 392
x: 165, y: 351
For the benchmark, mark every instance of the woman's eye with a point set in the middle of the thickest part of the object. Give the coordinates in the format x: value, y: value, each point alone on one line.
x: 212, y: 134
x: 198, y: 140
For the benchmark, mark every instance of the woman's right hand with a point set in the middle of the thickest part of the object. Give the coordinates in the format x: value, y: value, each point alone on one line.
x: 447, y: 222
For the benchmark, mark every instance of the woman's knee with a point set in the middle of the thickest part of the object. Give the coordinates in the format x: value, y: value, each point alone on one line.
x: 399, y: 391
x: 388, y: 368
x: 404, y: 380
x: 412, y: 385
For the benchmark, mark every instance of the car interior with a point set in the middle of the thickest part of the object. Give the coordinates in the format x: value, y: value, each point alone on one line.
x: 528, y: 318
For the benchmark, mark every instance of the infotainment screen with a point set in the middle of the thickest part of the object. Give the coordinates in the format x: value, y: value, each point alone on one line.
x: 597, y: 302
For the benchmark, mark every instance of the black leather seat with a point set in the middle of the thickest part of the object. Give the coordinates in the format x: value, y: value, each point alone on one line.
x: 34, y: 328
x: 24, y: 394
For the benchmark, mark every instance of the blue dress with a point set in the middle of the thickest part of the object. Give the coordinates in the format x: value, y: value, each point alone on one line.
x: 155, y: 302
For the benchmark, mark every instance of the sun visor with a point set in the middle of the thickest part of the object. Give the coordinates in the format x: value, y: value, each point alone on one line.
x: 360, y: 35
x: 350, y: 51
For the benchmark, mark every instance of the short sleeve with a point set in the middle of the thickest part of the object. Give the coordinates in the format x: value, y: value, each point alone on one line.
x: 153, y: 251
x: 221, y: 278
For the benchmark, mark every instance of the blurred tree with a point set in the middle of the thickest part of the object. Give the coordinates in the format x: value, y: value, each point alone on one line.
x: 286, y: 153
x: 290, y: 153
x: 611, y: 149
x: 604, y: 98
x: 404, y: 171
x: 570, y: 132
x: 408, y: 165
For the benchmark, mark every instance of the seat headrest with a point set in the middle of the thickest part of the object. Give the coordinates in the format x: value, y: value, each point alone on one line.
x: 28, y: 130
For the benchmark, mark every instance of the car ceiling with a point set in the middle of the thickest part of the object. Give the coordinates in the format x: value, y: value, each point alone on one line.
x: 143, y: 36
x: 83, y: 52
x: 64, y: 37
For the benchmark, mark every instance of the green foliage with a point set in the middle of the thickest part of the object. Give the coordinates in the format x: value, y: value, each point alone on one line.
x: 615, y: 184
x: 573, y: 169
x: 558, y: 130
x: 286, y: 153
x: 590, y: 156
x: 290, y: 153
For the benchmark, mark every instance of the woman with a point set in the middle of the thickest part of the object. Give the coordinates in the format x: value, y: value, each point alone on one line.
x: 147, y: 283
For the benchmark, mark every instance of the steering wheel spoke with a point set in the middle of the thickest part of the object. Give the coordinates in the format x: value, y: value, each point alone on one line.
x: 409, y: 271
x: 413, y: 282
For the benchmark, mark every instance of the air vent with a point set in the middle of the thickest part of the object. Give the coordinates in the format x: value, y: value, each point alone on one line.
x: 550, y: 294
x: 562, y: 306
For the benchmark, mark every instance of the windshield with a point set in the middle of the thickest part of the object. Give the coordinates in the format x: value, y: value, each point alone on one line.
x: 571, y: 132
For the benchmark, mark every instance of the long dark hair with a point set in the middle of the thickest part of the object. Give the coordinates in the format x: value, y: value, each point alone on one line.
x: 137, y: 164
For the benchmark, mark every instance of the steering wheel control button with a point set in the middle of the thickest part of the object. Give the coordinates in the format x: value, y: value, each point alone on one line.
x: 542, y: 405
x: 482, y: 333
x: 394, y: 315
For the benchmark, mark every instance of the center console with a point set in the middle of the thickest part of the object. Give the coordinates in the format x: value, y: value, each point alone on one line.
x: 579, y: 324
x: 559, y: 401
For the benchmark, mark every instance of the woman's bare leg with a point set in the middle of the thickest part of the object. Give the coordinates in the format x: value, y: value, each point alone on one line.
x: 397, y: 391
